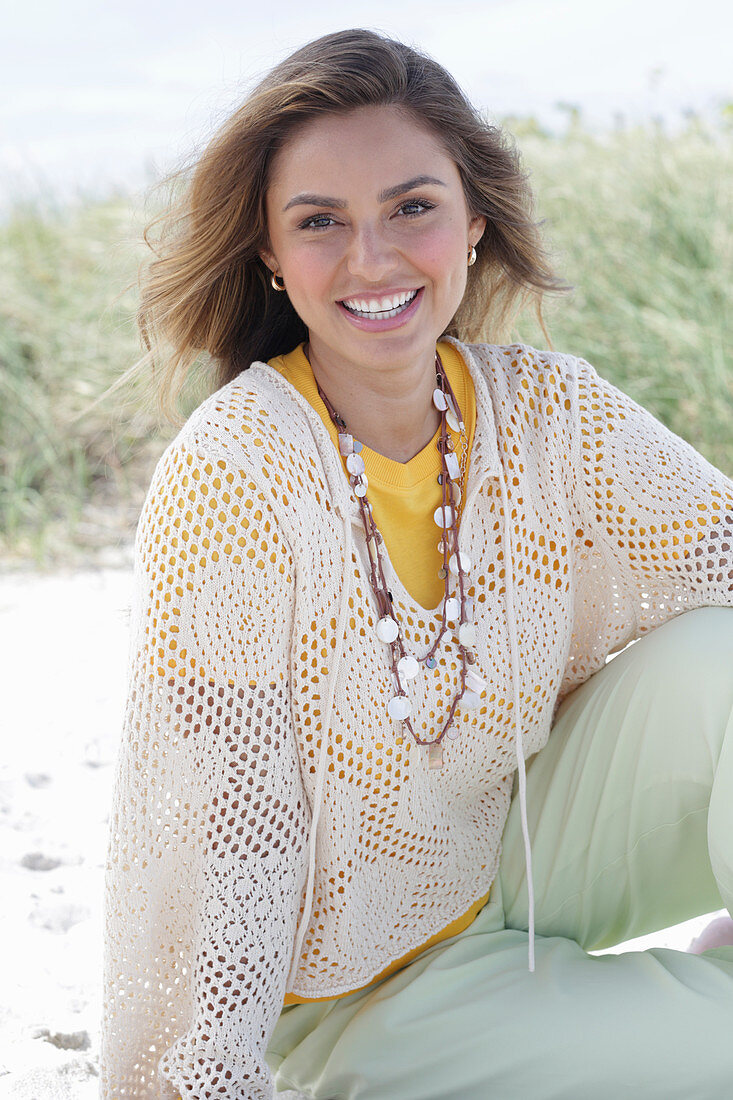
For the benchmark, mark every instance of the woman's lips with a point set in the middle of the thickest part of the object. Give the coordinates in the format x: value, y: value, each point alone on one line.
x: 382, y: 324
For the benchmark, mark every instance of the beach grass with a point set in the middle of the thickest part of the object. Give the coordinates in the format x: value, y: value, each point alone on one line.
x: 70, y: 469
x: 638, y: 220
x: 642, y: 227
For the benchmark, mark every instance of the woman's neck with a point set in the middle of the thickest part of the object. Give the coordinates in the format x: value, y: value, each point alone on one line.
x: 391, y: 413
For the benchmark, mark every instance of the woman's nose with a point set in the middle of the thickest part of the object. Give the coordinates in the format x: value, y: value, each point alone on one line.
x: 371, y: 255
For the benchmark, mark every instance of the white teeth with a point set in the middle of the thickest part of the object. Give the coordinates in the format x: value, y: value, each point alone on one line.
x: 386, y: 307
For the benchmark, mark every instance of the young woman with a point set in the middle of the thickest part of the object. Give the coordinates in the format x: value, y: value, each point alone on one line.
x: 379, y: 569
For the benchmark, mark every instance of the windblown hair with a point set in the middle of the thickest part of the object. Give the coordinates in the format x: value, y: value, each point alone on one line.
x: 207, y: 290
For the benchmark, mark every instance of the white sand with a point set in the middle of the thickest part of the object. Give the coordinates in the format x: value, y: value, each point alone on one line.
x: 64, y: 657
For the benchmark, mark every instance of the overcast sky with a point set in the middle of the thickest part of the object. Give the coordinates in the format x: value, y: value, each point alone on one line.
x: 93, y: 92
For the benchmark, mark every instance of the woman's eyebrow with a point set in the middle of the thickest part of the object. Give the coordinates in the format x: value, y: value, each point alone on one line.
x: 408, y: 185
x: 309, y: 199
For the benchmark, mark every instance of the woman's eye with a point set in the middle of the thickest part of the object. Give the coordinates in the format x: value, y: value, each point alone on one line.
x: 415, y: 206
x: 317, y: 221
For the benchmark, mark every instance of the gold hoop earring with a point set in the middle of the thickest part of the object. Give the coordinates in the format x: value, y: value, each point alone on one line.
x: 472, y: 257
x: 275, y: 284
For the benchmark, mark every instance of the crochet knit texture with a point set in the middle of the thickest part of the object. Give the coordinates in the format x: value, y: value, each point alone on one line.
x: 245, y: 863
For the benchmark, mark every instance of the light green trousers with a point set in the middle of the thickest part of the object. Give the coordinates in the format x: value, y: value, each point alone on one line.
x: 631, y: 818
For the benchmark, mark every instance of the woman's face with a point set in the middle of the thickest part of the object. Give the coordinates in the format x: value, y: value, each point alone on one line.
x: 370, y: 230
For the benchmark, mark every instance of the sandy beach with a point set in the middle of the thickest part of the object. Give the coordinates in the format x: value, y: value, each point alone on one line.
x: 64, y: 640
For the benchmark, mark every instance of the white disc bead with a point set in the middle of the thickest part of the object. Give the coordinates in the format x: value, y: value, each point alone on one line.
x: 355, y: 463
x: 452, y: 608
x: 444, y: 517
x: 467, y: 634
x: 408, y: 667
x: 399, y: 707
x: 466, y: 563
x: 439, y: 399
x: 387, y: 629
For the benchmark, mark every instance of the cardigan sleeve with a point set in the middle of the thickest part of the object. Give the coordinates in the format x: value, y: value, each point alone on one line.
x: 207, y: 850
x: 652, y: 524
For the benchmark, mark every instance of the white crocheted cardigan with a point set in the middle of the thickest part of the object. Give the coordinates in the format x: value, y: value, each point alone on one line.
x: 268, y: 833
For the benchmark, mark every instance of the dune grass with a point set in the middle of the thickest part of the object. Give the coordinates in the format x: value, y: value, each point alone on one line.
x: 642, y: 225
x: 68, y: 471
x: 638, y: 221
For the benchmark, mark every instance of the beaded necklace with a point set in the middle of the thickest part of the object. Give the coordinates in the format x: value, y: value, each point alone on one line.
x: 457, y: 608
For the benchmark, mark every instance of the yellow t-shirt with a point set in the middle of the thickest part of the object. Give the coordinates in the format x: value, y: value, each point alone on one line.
x: 403, y: 496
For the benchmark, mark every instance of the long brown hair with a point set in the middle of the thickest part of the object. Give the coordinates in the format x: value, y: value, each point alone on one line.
x: 207, y: 290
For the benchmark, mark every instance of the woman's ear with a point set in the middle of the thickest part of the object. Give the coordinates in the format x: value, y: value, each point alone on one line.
x: 476, y: 228
x: 269, y: 260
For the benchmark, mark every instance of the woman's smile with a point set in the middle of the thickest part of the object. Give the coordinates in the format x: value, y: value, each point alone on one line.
x: 383, y: 312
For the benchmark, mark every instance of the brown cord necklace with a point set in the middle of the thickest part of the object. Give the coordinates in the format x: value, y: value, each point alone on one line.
x: 456, y: 609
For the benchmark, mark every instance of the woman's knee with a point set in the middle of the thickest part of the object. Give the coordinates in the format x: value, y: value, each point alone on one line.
x: 693, y: 649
